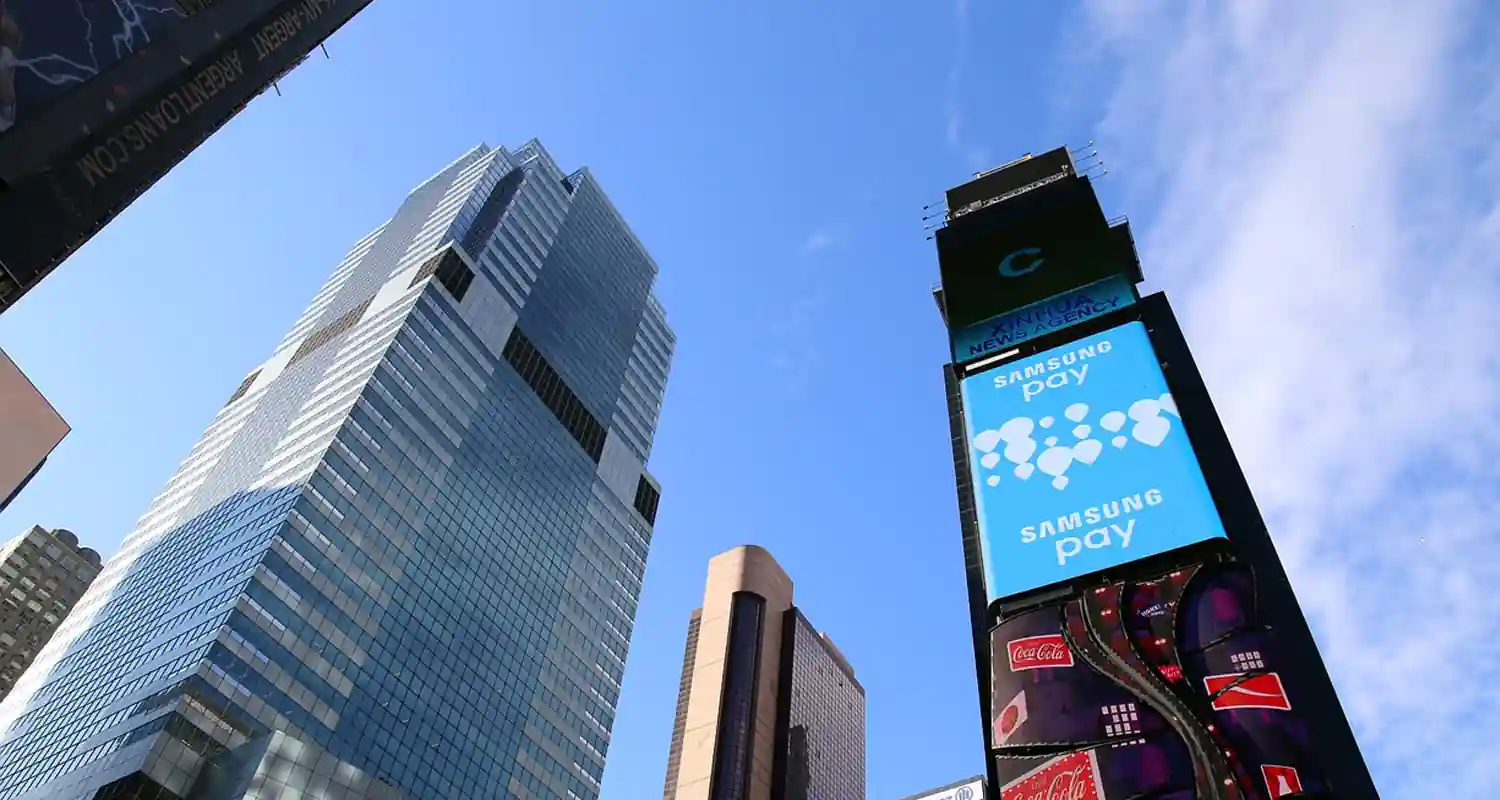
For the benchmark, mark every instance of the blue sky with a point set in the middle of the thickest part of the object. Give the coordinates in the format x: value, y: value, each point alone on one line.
x: 1314, y: 185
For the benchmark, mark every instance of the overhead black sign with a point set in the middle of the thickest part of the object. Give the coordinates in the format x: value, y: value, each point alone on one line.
x: 1012, y: 179
x: 1025, y: 249
x: 47, y: 215
x: 73, y: 68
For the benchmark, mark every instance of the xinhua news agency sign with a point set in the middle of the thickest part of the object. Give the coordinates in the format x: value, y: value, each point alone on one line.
x: 1080, y: 463
x: 995, y: 335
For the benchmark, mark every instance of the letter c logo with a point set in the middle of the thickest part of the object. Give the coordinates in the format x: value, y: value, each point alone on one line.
x: 1010, y: 269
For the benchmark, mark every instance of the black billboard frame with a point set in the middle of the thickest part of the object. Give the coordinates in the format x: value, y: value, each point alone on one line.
x: 1248, y: 537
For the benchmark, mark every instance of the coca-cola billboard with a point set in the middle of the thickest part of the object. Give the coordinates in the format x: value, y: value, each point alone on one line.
x: 1039, y: 652
x: 1158, y: 767
x: 1074, y: 776
x: 1161, y: 685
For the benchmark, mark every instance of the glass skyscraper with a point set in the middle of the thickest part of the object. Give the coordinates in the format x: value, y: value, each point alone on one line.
x: 404, y: 559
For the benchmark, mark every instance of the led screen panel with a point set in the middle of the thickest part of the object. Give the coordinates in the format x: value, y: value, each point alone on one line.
x: 1080, y: 463
x: 998, y: 334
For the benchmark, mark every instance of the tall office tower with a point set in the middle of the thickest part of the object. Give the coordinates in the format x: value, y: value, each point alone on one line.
x: 404, y: 559
x: 29, y: 430
x: 42, y: 575
x: 768, y: 708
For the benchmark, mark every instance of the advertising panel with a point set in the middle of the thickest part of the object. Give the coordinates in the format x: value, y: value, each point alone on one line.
x: 29, y: 428
x: 46, y: 216
x: 1012, y: 179
x: 48, y: 49
x: 1079, y: 463
x: 1010, y: 255
x: 1165, y: 686
x: 997, y: 334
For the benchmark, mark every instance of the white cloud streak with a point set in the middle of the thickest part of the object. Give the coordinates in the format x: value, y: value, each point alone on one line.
x: 818, y: 241
x: 1321, y: 181
x: 952, y: 106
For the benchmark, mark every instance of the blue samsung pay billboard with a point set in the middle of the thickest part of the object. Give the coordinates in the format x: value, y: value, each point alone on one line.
x: 1080, y: 463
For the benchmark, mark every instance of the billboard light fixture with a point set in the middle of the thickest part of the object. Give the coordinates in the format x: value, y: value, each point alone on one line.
x: 985, y: 362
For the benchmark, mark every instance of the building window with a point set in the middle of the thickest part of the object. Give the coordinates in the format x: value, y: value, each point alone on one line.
x: 647, y: 498
x: 244, y: 387
x: 736, y: 734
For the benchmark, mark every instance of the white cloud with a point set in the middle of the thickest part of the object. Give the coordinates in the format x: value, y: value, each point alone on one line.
x: 818, y: 241
x: 952, y: 108
x: 1321, y: 182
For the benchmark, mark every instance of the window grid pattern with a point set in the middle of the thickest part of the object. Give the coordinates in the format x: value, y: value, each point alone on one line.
x: 825, y: 755
x: 684, y: 691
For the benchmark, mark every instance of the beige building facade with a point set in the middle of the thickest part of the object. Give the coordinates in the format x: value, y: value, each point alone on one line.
x: 30, y: 428
x: 768, y: 708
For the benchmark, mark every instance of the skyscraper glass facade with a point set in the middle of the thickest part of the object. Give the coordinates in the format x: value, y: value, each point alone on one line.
x: 412, y: 540
x: 825, y: 718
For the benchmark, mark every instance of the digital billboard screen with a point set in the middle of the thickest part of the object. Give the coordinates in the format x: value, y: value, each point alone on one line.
x: 45, y: 215
x: 48, y: 48
x: 997, y: 334
x: 1147, y: 687
x: 1030, y: 248
x: 1080, y: 463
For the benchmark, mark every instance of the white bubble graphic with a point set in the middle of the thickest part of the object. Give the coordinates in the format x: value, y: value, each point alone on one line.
x: 1019, y: 446
x: 1087, y: 450
x: 1055, y: 461
x: 1016, y: 441
x: 1017, y: 428
x: 1151, y: 427
x: 986, y: 441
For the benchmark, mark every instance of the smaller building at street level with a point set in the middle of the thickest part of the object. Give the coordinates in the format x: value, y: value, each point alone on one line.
x: 769, y: 709
x: 42, y: 575
x: 966, y: 789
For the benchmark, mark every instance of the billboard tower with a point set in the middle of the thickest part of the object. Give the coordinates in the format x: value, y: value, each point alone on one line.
x: 1135, y: 633
x: 99, y: 100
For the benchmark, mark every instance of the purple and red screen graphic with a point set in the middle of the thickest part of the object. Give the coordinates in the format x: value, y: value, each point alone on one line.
x: 1168, y: 688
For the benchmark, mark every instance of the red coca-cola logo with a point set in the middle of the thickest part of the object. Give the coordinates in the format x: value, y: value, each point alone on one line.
x: 1071, y: 777
x: 1039, y: 652
x: 1281, y: 781
x: 1237, y: 691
